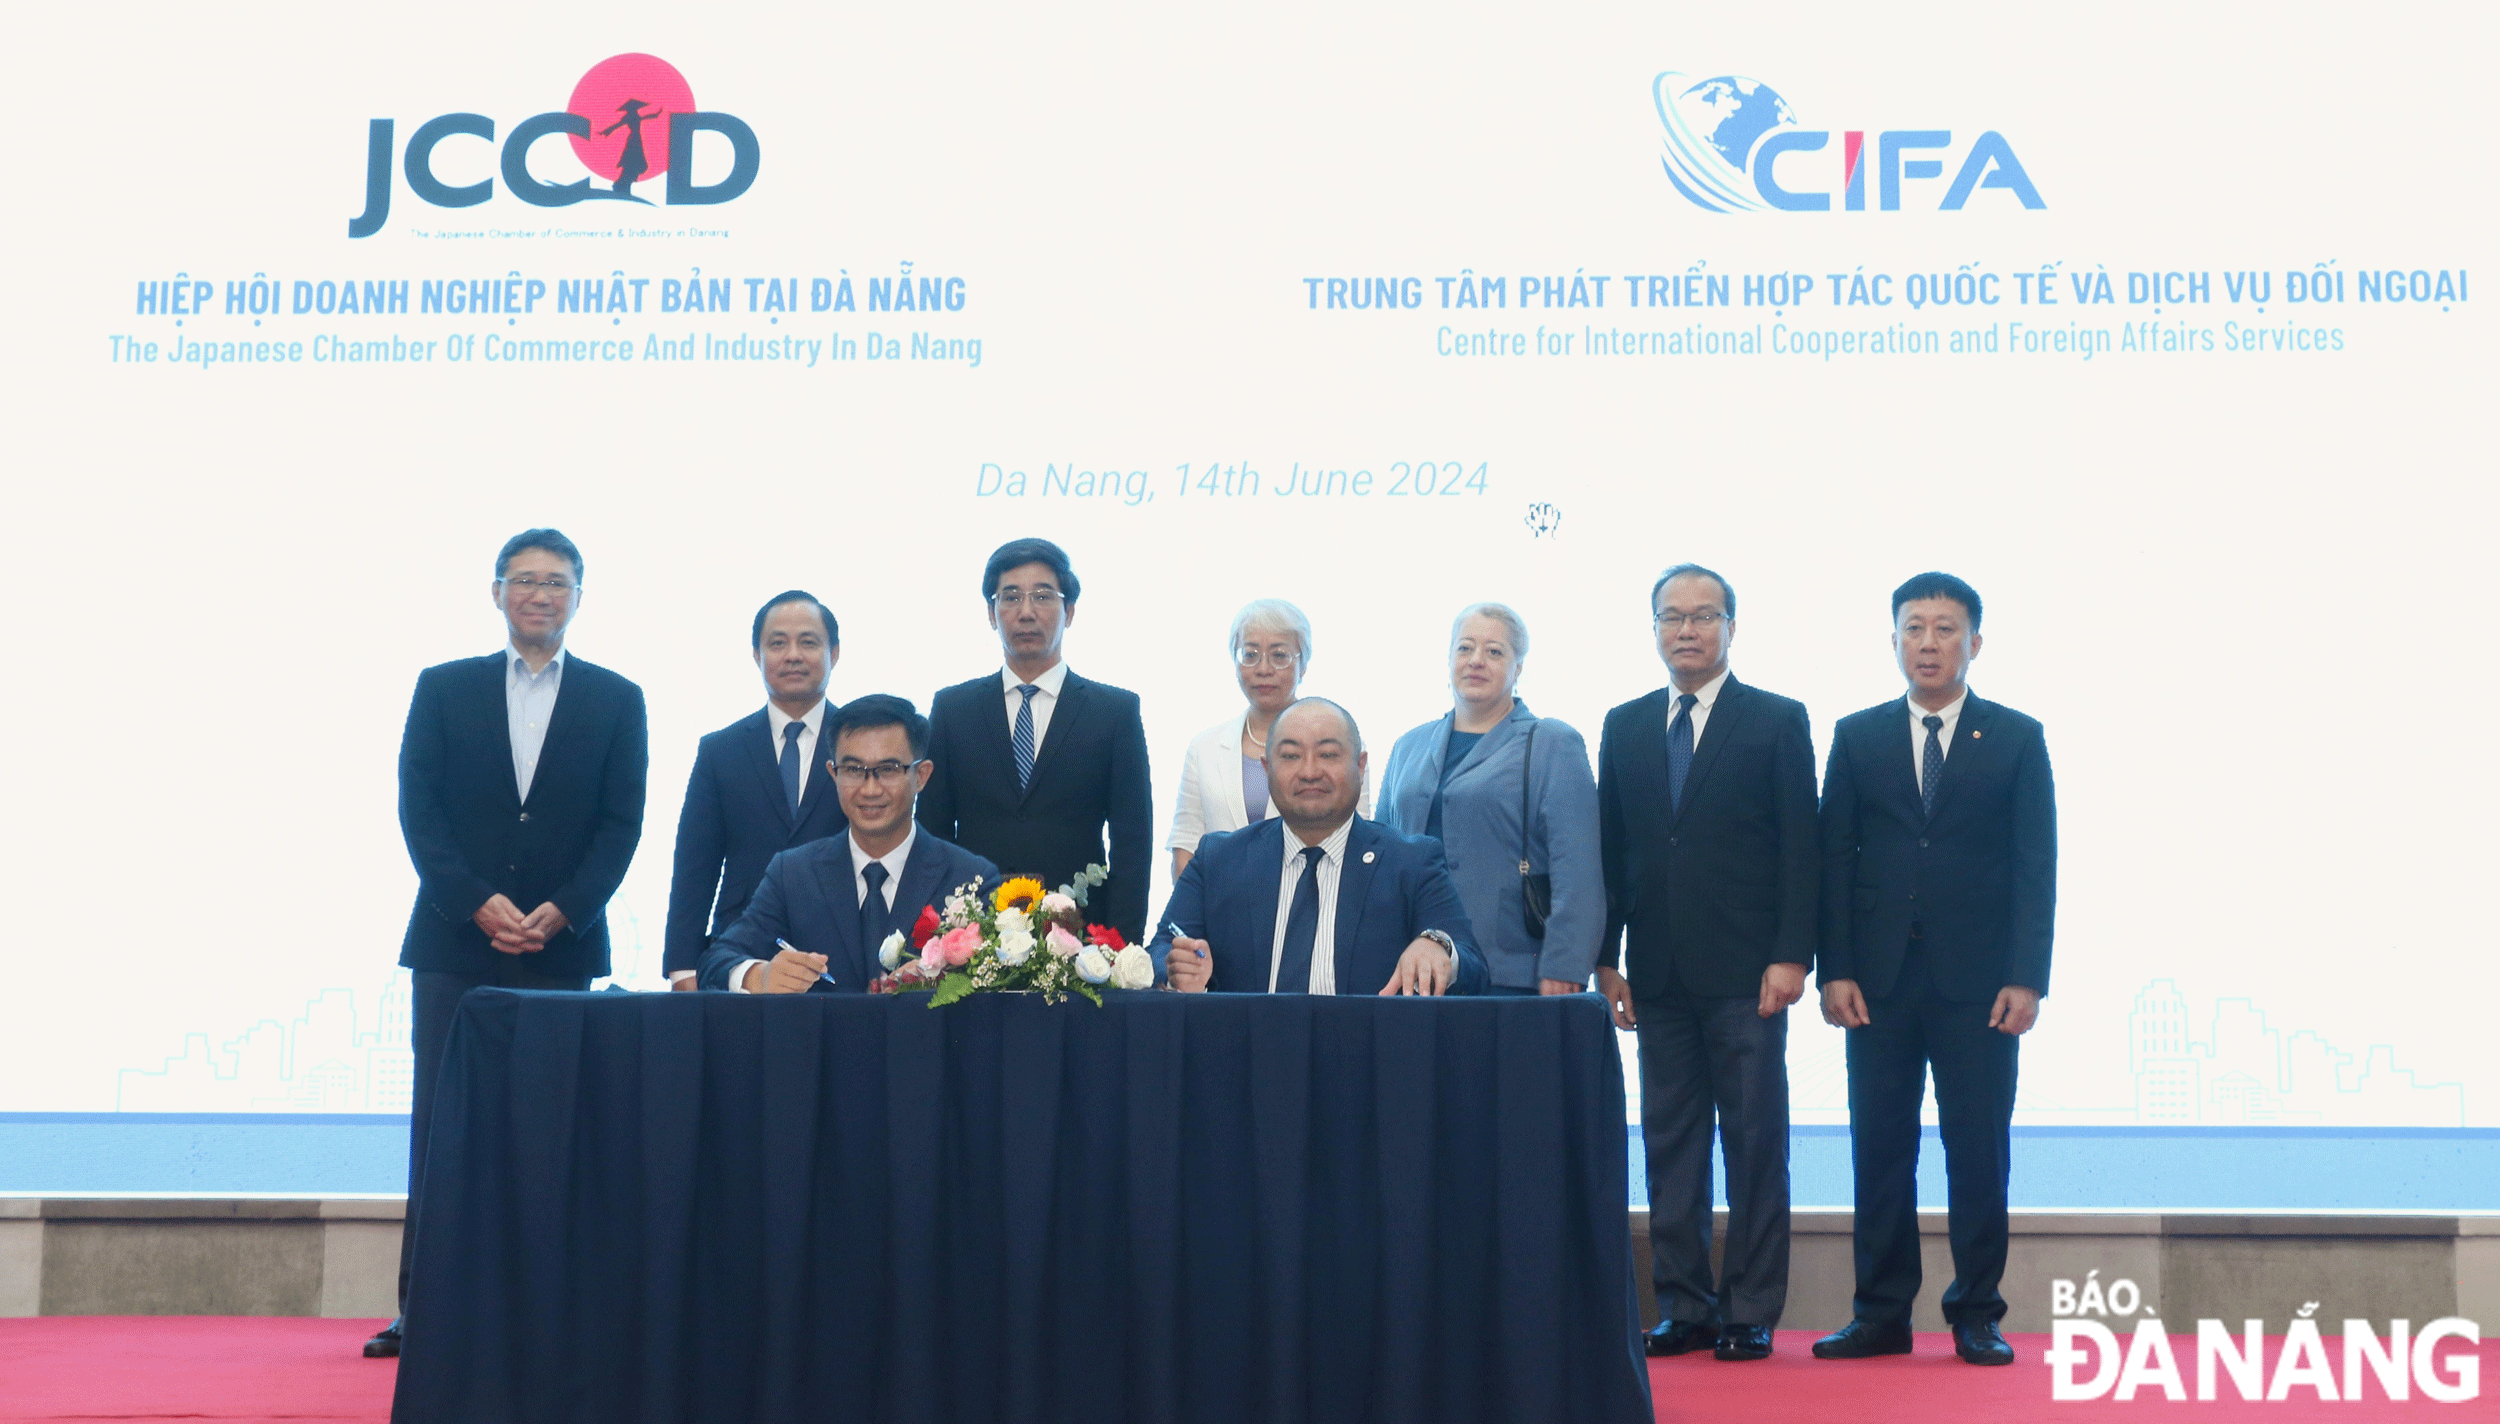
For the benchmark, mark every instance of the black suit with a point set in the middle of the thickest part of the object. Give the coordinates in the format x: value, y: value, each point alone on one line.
x: 1089, y: 773
x: 810, y: 897
x: 736, y: 819
x: 1706, y: 891
x: 473, y: 837
x: 1932, y: 914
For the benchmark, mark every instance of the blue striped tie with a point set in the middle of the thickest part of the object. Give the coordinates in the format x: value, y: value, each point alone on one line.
x: 1024, y: 736
x: 1680, y: 749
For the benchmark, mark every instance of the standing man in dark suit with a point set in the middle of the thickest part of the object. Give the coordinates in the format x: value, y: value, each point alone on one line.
x: 1705, y: 794
x: 1939, y: 901
x: 1315, y: 899
x: 520, y: 795
x: 757, y: 788
x: 1033, y: 764
x: 824, y: 909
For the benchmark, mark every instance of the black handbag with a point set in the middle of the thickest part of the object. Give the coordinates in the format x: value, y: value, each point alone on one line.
x: 1536, y: 892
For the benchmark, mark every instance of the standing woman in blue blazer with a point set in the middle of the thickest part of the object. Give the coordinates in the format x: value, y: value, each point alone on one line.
x: 1460, y: 779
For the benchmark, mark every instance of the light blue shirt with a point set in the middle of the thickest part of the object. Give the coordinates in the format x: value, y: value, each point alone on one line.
x: 529, y: 699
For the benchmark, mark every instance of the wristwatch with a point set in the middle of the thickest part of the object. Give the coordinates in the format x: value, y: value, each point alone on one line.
x: 1448, y: 945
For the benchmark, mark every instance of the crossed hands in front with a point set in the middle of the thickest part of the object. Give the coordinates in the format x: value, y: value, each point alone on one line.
x: 515, y: 933
x: 1425, y: 967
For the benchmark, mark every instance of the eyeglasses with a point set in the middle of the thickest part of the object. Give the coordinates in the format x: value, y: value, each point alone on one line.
x: 1280, y: 659
x: 528, y: 585
x: 1042, y: 599
x: 884, y: 773
x: 1698, y: 622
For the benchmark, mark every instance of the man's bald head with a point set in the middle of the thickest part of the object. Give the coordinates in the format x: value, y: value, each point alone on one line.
x: 1315, y: 767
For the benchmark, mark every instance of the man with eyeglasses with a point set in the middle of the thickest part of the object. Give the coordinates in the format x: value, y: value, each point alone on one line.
x: 751, y: 794
x: 1706, y: 823
x: 520, y: 795
x: 1034, y: 764
x: 822, y: 909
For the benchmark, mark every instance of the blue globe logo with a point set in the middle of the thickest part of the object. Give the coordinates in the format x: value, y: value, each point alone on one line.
x: 1713, y: 126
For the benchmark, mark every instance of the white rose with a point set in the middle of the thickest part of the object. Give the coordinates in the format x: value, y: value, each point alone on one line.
x: 891, y: 953
x: 1014, y: 922
x: 1132, y: 968
x: 1014, y: 947
x: 1092, y: 965
x: 1055, y: 903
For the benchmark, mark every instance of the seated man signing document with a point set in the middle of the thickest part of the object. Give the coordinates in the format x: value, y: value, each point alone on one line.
x: 1316, y: 899
x: 823, y: 908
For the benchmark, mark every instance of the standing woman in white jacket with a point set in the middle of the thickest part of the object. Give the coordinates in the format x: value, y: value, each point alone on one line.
x: 1224, y: 780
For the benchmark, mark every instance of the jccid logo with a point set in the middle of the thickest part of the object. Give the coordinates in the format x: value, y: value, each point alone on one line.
x: 631, y: 117
x: 1726, y: 137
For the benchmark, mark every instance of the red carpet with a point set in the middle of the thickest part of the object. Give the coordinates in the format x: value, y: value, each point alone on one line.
x: 217, y: 1367
x: 287, y: 1368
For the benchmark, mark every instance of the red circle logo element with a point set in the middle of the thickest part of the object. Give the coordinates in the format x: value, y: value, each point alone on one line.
x: 628, y: 99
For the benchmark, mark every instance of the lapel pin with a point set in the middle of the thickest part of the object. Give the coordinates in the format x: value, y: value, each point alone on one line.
x: 1974, y: 736
x: 1367, y: 857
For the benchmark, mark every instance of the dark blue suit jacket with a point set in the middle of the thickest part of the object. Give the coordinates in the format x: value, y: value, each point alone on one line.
x: 1392, y: 888
x: 735, y: 820
x: 1979, y: 877
x: 810, y: 897
x: 473, y: 837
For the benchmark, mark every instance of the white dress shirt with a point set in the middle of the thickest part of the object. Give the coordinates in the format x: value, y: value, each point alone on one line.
x: 1044, y: 702
x: 529, y: 699
x: 1702, y: 702
x: 1944, y: 735
x: 1324, y: 944
x: 810, y: 725
x: 860, y: 861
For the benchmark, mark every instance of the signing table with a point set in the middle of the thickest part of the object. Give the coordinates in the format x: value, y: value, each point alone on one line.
x: 1198, y: 1208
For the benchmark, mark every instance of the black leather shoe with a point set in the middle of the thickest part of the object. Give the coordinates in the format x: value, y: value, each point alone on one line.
x: 1679, y: 1337
x: 1980, y: 1343
x: 1744, y: 1342
x: 385, y: 1343
x: 1863, y: 1340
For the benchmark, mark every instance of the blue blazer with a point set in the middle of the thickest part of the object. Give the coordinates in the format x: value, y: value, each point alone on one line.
x: 472, y: 837
x: 1978, y: 877
x: 735, y: 820
x: 810, y: 897
x: 1481, y: 835
x: 1392, y: 888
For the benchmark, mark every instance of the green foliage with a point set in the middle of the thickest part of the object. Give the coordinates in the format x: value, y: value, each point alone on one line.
x: 951, y: 988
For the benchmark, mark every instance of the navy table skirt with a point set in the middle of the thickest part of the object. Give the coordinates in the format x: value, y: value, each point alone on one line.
x: 1198, y: 1208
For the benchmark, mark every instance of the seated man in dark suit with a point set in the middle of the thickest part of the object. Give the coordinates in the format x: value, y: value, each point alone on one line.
x: 1316, y: 899
x: 750, y: 796
x: 1035, y: 763
x: 823, y: 908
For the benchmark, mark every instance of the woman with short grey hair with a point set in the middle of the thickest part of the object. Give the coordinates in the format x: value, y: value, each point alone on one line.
x: 1511, y: 799
x: 1224, y: 778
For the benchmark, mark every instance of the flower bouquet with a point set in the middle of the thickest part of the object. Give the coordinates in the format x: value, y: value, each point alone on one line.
x: 1017, y: 937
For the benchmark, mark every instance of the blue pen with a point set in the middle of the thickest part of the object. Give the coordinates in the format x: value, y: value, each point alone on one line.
x: 794, y: 949
x: 1178, y: 933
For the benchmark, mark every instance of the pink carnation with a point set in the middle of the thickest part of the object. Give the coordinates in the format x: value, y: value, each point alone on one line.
x: 1062, y: 943
x: 958, y: 944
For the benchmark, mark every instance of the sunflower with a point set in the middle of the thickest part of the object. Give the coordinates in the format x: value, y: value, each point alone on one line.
x: 1021, y: 893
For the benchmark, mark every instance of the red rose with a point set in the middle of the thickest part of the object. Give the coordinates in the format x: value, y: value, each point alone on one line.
x: 925, y: 928
x: 1105, y: 936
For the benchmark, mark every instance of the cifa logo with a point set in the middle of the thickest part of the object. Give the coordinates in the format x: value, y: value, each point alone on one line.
x: 2086, y: 1360
x: 631, y: 118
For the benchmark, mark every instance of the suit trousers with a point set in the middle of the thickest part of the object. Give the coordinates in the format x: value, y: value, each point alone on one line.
x: 1706, y: 1058
x: 435, y: 994
x: 1908, y: 1030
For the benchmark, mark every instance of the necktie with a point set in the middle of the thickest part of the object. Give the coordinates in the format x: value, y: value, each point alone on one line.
x: 1293, y: 971
x: 790, y: 764
x: 872, y: 914
x: 1930, y: 764
x: 1679, y: 749
x: 1024, y: 736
